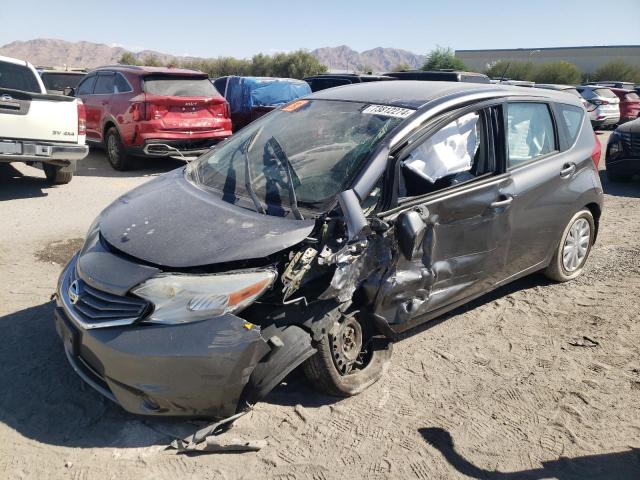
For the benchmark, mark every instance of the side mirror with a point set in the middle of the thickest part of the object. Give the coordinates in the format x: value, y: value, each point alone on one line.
x: 353, y: 214
x: 69, y: 91
x: 410, y: 230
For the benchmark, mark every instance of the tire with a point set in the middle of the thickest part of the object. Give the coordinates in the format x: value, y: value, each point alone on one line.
x: 324, y: 374
x: 54, y: 174
x: 616, y: 177
x: 116, y: 153
x: 563, y: 270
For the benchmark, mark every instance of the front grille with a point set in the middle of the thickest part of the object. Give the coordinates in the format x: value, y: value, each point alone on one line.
x: 631, y: 143
x: 96, y: 308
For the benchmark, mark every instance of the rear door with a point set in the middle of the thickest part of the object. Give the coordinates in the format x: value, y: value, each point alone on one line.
x: 543, y: 176
x: 85, y: 93
x: 466, y: 217
x: 99, y: 104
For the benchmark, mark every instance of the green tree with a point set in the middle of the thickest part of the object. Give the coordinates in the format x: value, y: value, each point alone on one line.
x: 402, y: 67
x: 298, y: 64
x: 128, y: 59
x: 558, y: 72
x: 618, y: 70
x: 443, y: 58
x: 151, y: 61
x: 511, y: 69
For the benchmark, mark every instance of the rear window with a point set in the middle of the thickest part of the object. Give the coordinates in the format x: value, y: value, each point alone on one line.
x: 60, y: 81
x: 605, y: 92
x: 632, y: 97
x: 572, y: 118
x: 18, y: 77
x: 175, y: 86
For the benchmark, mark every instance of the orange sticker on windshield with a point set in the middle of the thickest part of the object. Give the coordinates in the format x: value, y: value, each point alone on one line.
x: 294, y: 106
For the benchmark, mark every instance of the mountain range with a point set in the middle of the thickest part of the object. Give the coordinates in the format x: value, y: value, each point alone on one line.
x: 59, y: 53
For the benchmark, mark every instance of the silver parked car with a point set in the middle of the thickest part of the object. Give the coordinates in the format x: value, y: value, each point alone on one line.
x: 603, y: 107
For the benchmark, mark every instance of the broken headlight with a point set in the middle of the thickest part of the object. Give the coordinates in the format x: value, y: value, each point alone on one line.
x: 188, y: 298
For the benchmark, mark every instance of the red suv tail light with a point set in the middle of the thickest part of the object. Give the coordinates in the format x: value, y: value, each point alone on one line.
x: 156, y: 111
x: 219, y: 109
x: 597, y: 151
x: 82, y: 119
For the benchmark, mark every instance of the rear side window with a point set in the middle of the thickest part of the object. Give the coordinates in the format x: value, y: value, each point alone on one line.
x: 530, y: 132
x: 571, y: 117
x: 18, y: 77
x: 632, y: 97
x: 122, y: 85
x: 605, y: 92
x: 86, y: 87
x: 104, y: 85
x: 176, y: 86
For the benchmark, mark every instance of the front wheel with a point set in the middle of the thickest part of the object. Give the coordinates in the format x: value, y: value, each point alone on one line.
x: 573, y: 250
x: 55, y: 175
x: 348, y: 359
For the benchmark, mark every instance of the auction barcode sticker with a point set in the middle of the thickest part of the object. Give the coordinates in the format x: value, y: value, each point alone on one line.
x: 388, y: 111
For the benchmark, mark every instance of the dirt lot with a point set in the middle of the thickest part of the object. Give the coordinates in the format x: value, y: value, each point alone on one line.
x: 536, y: 380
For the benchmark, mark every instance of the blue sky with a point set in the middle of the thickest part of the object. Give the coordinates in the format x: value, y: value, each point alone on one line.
x: 245, y: 27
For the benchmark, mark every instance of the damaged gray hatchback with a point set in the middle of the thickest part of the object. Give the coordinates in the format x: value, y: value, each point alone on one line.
x: 318, y: 233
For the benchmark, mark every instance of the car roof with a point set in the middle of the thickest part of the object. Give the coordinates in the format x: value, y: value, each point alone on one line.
x: 554, y: 86
x: 144, y: 70
x: 15, y: 61
x: 416, y: 93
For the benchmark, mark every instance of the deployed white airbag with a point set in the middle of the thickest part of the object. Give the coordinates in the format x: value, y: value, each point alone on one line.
x: 450, y: 150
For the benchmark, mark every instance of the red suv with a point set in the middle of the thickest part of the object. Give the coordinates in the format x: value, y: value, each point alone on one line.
x: 153, y: 112
x: 629, y: 104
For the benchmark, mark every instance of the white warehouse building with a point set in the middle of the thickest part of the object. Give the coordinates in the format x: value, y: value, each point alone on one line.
x: 587, y: 59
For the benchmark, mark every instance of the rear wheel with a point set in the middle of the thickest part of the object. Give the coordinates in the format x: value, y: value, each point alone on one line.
x: 55, y: 175
x: 116, y: 153
x: 348, y: 359
x: 574, y: 248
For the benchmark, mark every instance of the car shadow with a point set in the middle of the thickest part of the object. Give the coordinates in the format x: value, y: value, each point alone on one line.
x: 96, y: 164
x: 630, y: 188
x: 16, y: 185
x: 43, y: 399
x: 624, y: 465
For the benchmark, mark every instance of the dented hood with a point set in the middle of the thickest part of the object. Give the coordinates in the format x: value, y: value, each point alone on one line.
x: 170, y: 222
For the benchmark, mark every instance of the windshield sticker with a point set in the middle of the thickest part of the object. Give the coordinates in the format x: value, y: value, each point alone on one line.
x: 388, y: 111
x: 295, y: 106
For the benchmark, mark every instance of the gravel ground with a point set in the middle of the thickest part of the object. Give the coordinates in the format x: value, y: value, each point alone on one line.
x: 535, y: 380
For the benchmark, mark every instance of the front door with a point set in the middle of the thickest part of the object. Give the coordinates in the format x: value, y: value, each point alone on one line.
x: 453, y: 197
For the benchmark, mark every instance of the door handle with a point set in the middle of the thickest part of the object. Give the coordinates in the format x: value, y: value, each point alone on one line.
x: 505, y: 201
x: 567, y: 170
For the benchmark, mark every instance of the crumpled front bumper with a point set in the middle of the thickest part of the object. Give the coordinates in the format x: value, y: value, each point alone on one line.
x: 197, y: 369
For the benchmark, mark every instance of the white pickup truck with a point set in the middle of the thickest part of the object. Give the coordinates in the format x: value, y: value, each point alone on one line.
x: 37, y: 128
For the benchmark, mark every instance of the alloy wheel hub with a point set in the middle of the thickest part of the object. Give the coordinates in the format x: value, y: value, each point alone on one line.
x: 576, y: 245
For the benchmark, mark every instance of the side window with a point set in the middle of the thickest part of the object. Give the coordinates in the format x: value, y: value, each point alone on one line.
x: 86, y: 87
x: 122, y: 85
x: 104, y: 85
x: 530, y: 132
x: 571, y: 117
x: 456, y: 153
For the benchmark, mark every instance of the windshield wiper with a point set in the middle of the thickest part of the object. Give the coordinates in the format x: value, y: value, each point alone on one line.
x: 286, y: 163
x: 248, y: 181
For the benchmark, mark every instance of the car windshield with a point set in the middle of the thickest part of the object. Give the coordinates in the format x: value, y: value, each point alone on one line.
x: 315, y: 146
x: 60, y: 81
x: 177, y: 86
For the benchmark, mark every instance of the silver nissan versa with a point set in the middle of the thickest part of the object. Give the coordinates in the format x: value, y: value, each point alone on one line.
x: 317, y: 233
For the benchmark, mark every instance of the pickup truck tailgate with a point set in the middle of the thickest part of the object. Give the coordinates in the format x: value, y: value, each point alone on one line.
x: 49, y: 118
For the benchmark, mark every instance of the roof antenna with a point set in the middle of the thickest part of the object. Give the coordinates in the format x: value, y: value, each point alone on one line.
x: 505, y: 71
